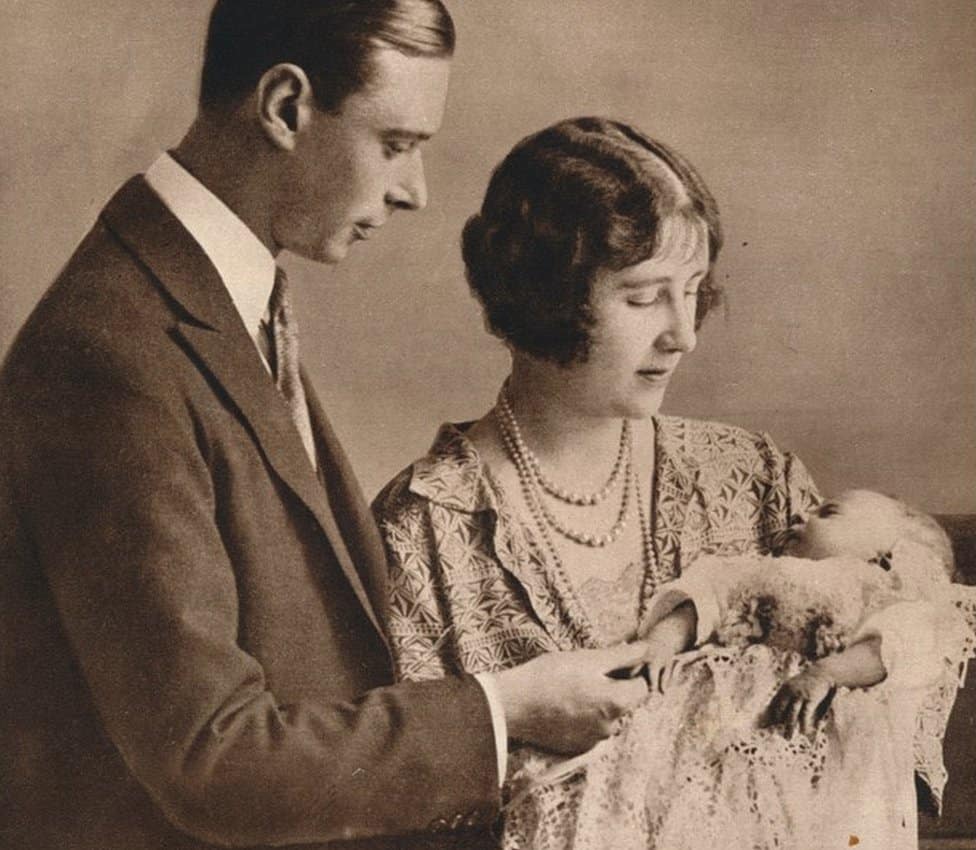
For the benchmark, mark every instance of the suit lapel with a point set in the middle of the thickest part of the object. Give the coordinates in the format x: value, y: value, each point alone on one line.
x: 362, y: 544
x: 211, y: 330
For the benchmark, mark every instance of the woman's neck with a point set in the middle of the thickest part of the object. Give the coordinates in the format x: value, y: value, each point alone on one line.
x: 571, y: 443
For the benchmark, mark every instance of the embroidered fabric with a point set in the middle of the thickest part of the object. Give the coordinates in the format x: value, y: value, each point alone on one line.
x: 470, y: 590
x: 694, y: 768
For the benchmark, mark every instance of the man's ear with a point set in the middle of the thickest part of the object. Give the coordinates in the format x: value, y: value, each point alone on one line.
x: 285, y: 102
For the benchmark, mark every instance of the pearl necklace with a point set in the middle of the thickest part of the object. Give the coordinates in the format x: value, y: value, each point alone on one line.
x: 547, y: 484
x: 531, y: 486
x: 543, y: 518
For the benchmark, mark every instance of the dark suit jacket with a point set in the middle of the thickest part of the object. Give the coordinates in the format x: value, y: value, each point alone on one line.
x: 190, y: 630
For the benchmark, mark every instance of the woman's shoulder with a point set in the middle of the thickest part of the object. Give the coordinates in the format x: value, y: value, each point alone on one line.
x: 450, y: 474
x: 700, y: 441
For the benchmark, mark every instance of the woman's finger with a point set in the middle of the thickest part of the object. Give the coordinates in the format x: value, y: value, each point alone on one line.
x: 823, y: 708
x: 778, y: 708
x: 684, y: 660
x: 792, y: 716
x: 668, y: 672
x: 659, y: 672
x: 808, y: 718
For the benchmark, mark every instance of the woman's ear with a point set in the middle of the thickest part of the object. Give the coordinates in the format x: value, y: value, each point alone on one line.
x: 284, y: 102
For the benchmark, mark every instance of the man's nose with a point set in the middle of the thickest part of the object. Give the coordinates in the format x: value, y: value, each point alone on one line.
x: 410, y: 190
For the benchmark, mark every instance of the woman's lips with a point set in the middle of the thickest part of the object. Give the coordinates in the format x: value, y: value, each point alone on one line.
x: 655, y: 376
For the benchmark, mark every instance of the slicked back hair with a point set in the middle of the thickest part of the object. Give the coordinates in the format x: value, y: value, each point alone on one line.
x: 332, y: 41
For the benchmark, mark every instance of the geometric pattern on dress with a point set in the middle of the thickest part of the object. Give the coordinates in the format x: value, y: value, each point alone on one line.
x: 470, y: 587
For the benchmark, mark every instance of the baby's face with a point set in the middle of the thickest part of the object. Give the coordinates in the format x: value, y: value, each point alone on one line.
x: 858, y: 523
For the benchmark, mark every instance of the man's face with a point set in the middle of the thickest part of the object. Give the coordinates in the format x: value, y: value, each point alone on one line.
x: 351, y: 170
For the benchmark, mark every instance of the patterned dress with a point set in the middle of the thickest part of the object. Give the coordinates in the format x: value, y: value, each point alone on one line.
x: 471, y: 591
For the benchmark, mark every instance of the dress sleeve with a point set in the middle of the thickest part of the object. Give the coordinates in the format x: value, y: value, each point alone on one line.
x: 706, y: 584
x: 911, y: 651
x: 928, y: 634
x: 419, y: 633
x: 800, y: 493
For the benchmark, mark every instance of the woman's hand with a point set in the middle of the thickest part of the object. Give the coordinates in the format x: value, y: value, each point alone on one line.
x: 802, y: 702
x: 665, y: 640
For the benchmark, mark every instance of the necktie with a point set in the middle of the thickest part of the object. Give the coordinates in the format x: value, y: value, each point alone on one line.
x: 284, y: 362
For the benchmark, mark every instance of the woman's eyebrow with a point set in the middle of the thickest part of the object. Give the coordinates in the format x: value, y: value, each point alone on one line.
x: 643, y: 283
x: 663, y: 280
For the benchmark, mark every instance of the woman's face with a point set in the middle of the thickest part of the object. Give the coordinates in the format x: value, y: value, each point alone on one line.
x: 644, y: 322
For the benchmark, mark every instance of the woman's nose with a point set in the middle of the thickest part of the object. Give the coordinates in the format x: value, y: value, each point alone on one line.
x: 680, y: 334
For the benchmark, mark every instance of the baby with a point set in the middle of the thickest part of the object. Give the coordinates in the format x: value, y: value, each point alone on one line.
x: 744, y: 650
x: 872, y: 553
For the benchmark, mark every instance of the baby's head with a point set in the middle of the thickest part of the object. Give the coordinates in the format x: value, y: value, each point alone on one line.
x: 867, y: 525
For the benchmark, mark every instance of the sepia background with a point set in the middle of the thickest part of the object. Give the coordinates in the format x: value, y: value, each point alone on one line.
x: 838, y: 136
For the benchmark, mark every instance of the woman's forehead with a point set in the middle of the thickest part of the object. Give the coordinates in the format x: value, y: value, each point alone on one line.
x: 681, y: 238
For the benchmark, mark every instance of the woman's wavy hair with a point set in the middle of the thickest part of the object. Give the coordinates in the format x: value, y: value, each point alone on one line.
x: 582, y: 196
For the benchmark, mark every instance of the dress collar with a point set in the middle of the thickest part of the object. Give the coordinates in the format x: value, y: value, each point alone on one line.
x: 452, y: 473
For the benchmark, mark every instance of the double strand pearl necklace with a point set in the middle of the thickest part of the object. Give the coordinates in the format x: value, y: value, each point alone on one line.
x: 547, y: 484
x: 529, y: 479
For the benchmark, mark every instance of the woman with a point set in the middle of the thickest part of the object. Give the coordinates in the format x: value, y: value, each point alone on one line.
x: 549, y: 523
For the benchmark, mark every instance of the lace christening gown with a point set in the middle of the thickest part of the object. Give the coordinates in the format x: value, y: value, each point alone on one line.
x: 693, y: 768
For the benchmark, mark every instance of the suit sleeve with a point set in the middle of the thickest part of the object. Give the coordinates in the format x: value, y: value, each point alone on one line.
x: 120, y: 502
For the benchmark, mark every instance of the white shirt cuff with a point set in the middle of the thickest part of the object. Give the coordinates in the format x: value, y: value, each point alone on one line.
x: 498, y: 723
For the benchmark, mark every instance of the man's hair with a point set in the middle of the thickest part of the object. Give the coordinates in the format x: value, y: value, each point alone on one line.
x: 582, y: 196
x: 330, y: 40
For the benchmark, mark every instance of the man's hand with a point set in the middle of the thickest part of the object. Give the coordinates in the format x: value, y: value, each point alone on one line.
x: 566, y: 702
x: 802, y: 702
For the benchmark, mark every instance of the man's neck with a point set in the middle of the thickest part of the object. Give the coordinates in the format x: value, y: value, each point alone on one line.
x: 223, y: 158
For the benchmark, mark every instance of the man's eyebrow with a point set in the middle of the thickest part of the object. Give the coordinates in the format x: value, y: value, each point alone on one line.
x: 406, y: 133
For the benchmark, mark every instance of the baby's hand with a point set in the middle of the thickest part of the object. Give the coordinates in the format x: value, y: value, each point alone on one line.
x: 802, y: 702
x: 665, y: 640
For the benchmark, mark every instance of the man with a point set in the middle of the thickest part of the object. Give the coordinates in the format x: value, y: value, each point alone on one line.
x: 192, y: 639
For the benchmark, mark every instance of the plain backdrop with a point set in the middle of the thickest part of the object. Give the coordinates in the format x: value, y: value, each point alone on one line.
x: 838, y: 136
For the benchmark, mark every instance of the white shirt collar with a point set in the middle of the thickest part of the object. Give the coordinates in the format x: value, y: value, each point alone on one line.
x: 245, y: 265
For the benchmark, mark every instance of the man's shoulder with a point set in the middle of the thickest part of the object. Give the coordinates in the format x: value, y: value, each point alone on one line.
x: 102, y: 323
x: 103, y: 293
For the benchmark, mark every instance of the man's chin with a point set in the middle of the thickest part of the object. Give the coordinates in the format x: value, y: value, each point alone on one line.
x: 331, y: 254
